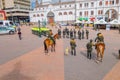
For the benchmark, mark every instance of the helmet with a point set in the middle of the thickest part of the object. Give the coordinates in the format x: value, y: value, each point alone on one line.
x: 91, y: 40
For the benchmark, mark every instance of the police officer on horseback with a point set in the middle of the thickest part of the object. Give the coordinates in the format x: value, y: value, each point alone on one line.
x: 99, y: 38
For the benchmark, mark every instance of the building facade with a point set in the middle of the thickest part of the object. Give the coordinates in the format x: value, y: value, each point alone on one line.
x: 70, y: 11
x: 16, y: 10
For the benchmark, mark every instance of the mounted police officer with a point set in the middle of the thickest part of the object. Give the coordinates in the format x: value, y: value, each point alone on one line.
x: 99, y: 38
x: 89, y: 49
x: 73, y: 47
x: 87, y: 33
x: 79, y: 34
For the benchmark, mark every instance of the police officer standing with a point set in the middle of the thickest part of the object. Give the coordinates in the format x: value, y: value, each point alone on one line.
x: 79, y: 34
x: 68, y: 33
x: 87, y: 33
x: 89, y: 49
x: 59, y: 32
x: 82, y: 34
x: 73, y: 47
x: 71, y: 33
x: 74, y: 33
x: 63, y: 33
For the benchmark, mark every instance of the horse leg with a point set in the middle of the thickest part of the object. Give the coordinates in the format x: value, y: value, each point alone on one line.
x: 54, y: 47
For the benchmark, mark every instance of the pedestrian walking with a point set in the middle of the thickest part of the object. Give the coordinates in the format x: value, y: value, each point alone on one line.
x: 87, y: 33
x: 18, y: 29
x: 79, y: 34
x: 71, y: 33
x: 82, y: 34
x: 19, y: 35
x: 73, y: 47
x: 89, y: 49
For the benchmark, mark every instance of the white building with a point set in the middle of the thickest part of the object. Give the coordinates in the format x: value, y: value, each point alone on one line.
x: 70, y: 11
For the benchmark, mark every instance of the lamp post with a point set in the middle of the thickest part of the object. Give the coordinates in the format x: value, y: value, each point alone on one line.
x: 39, y: 28
x: 75, y: 10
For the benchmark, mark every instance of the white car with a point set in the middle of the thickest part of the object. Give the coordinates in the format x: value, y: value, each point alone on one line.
x: 7, y: 30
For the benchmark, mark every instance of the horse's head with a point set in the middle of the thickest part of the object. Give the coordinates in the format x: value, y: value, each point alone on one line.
x: 56, y: 36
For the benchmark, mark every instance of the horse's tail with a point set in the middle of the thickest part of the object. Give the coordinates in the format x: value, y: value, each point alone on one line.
x: 45, y: 46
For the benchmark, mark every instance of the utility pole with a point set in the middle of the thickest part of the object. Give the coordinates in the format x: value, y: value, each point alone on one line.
x: 75, y: 10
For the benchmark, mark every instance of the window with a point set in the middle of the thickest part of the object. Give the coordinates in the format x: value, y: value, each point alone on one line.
x: 70, y: 13
x: 34, y: 15
x: 86, y: 13
x: 42, y: 15
x: 100, y: 3
x: 38, y: 15
x: 106, y: 3
x: 110, y: 2
x: 65, y: 13
x: 80, y: 13
x: 65, y: 6
x: 117, y: 1
x: 69, y: 5
x: 86, y: 4
x: 92, y: 4
x: 92, y: 12
x: 99, y: 12
x: 60, y: 13
x: 80, y: 5
x: 113, y: 2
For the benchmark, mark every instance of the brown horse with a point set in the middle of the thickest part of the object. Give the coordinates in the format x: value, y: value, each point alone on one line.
x: 50, y: 43
x: 100, y: 47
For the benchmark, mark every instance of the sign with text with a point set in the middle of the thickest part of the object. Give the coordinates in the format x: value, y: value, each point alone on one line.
x: 2, y: 15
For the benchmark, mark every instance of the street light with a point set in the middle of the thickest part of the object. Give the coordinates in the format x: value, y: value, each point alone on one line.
x: 39, y: 28
x: 75, y: 10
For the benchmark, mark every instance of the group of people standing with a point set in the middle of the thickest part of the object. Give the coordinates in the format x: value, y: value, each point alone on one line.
x: 73, y: 33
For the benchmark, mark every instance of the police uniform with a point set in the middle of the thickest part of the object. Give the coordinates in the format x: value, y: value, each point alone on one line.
x: 59, y: 32
x: 87, y: 34
x: 74, y: 33
x: 89, y: 49
x: 71, y: 34
x: 63, y: 33
x: 73, y: 47
x: 82, y: 34
x: 79, y: 34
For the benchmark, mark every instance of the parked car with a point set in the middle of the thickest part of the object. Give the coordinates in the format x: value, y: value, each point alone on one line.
x: 7, y: 30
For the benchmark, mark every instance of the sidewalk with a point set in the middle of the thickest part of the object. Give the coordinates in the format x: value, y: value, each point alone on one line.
x: 114, y: 74
x: 35, y: 65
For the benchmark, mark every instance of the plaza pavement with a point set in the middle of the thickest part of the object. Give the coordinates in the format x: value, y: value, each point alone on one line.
x: 33, y: 64
x: 80, y: 68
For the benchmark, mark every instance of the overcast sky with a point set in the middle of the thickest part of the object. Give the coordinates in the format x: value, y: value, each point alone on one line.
x: 54, y: 1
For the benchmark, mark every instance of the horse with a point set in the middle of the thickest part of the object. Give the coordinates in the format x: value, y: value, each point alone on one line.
x: 50, y: 43
x: 100, y: 47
